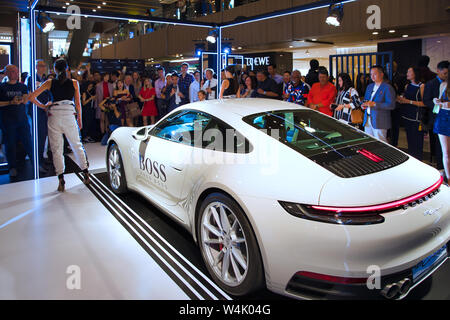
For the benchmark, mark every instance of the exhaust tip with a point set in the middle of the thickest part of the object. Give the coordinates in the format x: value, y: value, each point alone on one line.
x: 391, y: 291
x: 405, y: 285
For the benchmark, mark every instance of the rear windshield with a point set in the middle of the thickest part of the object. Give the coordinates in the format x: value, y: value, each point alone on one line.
x: 308, y: 132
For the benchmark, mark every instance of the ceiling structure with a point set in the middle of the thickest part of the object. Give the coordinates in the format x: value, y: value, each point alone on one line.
x: 13, y: 5
x: 131, y: 7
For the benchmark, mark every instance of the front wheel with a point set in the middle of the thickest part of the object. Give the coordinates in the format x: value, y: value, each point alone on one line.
x: 116, y: 172
x: 228, y: 246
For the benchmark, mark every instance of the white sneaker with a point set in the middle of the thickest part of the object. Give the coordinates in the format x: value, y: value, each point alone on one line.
x: 13, y: 173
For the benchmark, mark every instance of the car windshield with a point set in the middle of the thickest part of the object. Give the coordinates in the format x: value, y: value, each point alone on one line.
x: 308, y: 132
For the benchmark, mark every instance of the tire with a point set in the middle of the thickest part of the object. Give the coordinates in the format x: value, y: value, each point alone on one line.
x: 229, y: 246
x: 116, y: 173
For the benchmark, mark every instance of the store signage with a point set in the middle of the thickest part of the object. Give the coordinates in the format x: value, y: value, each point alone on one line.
x: 257, y: 61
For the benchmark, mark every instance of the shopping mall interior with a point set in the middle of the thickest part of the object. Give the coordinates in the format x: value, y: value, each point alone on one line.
x: 86, y: 202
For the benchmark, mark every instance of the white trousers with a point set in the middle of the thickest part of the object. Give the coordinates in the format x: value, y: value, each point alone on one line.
x: 61, y: 120
x: 380, y: 134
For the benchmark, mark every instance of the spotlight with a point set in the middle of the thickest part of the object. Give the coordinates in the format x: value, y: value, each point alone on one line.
x: 226, y: 47
x: 199, y: 49
x: 335, y: 15
x: 44, y: 23
x: 212, y: 36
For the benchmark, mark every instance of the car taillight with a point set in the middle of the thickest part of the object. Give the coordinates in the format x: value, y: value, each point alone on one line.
x: 357, y: 215
x: 328, y: 278
x: 309, y: 213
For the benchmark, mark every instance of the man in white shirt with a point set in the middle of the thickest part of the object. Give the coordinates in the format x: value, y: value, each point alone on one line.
x: 194, y: 88
x: 159, y: 84
x: 210, y: 85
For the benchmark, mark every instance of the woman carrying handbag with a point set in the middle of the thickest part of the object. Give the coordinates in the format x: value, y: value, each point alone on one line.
x: 348, y: 107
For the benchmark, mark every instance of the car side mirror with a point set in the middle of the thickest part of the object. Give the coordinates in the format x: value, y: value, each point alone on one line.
x: 140, y: 134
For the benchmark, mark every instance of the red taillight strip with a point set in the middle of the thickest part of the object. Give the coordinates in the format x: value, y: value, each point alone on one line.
x: 386, y: 206
x: 334, y: 279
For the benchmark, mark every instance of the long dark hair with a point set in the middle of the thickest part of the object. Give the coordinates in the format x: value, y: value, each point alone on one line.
x: 61, y: 68
x: 235, y: 80
x: 347, y: 81
x: 361, y: 87
x: 254, y: 82
x: 417, y: 74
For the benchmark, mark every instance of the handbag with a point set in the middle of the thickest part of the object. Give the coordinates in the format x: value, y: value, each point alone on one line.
x: 132, y: 109
x: 357, y: 116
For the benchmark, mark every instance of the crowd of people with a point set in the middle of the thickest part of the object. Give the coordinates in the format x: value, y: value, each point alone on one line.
x: 418, y: 101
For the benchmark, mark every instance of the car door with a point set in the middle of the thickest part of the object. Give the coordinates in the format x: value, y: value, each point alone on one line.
x: 169, y: 152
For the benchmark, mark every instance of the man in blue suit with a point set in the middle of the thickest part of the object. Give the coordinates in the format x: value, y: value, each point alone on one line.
x: 378, y: 103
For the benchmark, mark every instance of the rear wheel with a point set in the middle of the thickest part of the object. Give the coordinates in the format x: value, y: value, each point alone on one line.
x: 116, y: 172
x: 228, y: 246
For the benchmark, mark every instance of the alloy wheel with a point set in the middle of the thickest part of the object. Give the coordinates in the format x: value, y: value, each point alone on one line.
x: 224, y: 244
x: 115, y: 173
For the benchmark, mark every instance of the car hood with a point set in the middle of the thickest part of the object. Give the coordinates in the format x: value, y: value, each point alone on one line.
x: 399, y: 182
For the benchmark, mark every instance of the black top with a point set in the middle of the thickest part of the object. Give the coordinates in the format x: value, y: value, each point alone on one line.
x: 232, y: 88
x: 113, y: 120
x: 412, y: 92
x: 312, y: 77
x: 267, y: 85
x: 12, y: 114
x: 64, y: 91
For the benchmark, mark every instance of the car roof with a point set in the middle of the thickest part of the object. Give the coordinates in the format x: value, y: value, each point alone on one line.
x: 241, y: 107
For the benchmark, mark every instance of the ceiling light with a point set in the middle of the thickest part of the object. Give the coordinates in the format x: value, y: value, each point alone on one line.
x: 375, y: 33
x: 313, y: 39
x: 239, y: 48
x: 405, y: 36
x: 104, y: 3
x: 391, y: 31
x: 93, y: 10
x: 98, y: 7
x: 291, y: 46
x: 335, y: 15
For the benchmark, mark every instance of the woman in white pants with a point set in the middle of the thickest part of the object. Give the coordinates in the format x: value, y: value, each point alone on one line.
x: 61, y: 120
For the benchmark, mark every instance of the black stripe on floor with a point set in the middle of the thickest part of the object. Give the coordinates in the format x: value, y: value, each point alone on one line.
x: 112, y: 209
x: 169, y: 249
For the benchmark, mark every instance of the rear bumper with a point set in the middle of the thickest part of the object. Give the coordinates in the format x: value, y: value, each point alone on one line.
x: 305, y: 288
x: 289, y: 245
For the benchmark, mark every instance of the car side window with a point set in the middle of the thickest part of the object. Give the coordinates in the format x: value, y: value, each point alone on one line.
x: 180, y: 128
x: 219, y: 136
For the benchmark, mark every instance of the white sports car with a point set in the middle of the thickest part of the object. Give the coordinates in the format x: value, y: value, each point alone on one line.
x: 282, y: 196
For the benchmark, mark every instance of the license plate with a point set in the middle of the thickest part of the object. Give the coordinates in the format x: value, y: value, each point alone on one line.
x: 426, y: 264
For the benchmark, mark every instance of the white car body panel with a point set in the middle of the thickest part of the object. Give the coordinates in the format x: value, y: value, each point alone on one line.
x: 289, y: 244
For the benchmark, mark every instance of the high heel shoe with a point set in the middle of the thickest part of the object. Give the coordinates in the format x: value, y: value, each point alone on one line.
x: 62, y: 183
x: 86, y: 177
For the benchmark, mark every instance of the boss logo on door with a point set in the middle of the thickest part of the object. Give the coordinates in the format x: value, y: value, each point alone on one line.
x: 153, y: 168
